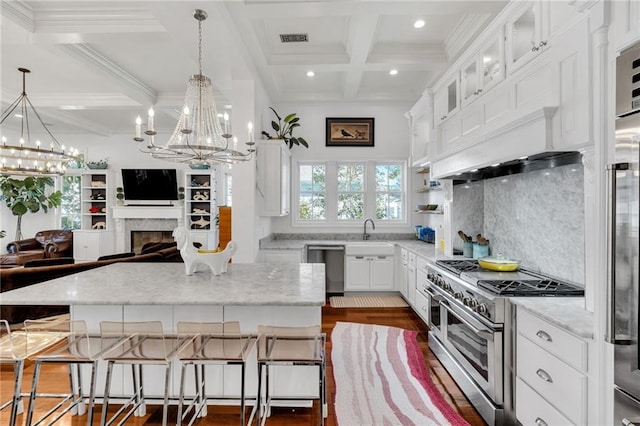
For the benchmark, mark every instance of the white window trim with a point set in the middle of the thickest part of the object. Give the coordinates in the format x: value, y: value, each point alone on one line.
x: 331, y: 220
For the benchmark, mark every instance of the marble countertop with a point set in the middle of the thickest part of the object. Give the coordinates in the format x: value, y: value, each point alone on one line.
x: 565, y: 312
x: 419, y: 247
x: 244, y: 284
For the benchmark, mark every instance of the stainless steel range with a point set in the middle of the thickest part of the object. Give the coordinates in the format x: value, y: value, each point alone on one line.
x: 470, y: 325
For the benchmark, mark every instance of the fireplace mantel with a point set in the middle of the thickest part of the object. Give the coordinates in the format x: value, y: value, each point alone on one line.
x: 147, y: 212
x: 153, y: 218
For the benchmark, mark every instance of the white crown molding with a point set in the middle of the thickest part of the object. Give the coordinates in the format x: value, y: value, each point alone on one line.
x: 93, y: 19
x: 134, y: 87
x: 18, y: 12
x: 459, y: 37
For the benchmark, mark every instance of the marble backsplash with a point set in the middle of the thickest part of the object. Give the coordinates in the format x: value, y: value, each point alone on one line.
x: 537, y: 217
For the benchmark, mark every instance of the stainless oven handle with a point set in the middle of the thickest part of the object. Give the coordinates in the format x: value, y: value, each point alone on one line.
x: 484, y: 334
x: 434, y: 296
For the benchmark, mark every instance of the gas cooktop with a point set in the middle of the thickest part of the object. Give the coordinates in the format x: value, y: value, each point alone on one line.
x: 519, y: 283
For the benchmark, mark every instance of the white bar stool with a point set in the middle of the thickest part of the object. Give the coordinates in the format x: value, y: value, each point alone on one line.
x: 291, y: 346
x: 75, y: 348
x: 136, y: 344
x: 14, y: 349
x: 211, y: 343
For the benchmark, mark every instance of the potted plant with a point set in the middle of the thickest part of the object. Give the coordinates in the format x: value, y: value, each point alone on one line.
x: 120, y: 196
x: 28, y: 195
x: 284, y: 129
x: 100, y: 164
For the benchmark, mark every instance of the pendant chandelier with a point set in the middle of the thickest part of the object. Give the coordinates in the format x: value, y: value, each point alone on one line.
x: 198, y: 138
x: 24, y: 157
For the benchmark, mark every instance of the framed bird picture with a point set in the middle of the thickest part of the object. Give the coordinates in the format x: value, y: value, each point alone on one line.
x: 349, y: 131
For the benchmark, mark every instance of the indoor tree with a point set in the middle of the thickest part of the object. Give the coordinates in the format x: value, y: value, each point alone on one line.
x: 28, y: 195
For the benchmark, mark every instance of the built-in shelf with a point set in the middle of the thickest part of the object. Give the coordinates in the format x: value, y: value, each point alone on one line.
x: 429, y: 188
x: 422, y: 170
x: 428, y: 211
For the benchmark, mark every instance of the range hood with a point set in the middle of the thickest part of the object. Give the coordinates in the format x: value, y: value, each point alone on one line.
x: 524, y: 144
x: 531, y: 163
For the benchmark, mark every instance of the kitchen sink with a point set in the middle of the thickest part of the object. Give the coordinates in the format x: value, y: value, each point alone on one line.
x: 368, y: 248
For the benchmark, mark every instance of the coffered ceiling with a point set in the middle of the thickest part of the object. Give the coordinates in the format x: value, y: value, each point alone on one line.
x: 95, y: 65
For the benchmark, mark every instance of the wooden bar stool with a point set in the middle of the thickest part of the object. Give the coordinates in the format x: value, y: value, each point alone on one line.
x: 211, y: 343
x: 136, y: 344
x: 290, y: 346
x: 14, y: 349
x: 73, y: 348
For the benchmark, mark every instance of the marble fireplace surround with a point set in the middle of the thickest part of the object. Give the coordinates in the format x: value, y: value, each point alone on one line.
x: 145, y: 218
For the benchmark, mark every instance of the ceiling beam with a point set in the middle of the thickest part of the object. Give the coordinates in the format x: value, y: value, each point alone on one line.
x: 359, y: 42
x: 132, y: 86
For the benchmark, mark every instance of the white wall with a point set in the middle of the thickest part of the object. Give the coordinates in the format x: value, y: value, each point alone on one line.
x: 391, y: 142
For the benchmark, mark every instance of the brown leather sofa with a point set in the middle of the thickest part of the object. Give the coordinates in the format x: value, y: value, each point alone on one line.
x: 14, y: 278
x: 45, y: 245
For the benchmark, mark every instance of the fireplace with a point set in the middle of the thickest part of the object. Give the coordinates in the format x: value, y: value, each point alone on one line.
x: 140, y: 238
x: 143, y: 219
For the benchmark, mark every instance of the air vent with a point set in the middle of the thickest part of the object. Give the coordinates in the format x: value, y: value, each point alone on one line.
x: 294, y: 38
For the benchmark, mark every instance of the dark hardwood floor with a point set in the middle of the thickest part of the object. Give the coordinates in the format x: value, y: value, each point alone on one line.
x: 395, y: 317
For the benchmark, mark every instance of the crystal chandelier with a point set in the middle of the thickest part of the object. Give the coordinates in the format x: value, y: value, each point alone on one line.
x: 24, y: 157
x: 198, y: 138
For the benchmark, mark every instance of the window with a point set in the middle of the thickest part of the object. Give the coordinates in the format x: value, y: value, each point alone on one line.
x: 389, y: 191
x: 340, y: 193
x: 312, y: 190
x: 71, y: 208
x: 351, y: 192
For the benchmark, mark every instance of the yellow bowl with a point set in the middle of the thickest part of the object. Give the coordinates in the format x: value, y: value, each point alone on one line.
x: 499, y: 264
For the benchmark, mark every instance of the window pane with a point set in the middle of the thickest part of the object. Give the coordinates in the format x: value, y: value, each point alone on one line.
x: 388, y: 177
x: 71, y: 209
x: 350, y: 206
x: 312, y: 206
x: 312, y: 178
x: 351, y: 177
x: 389, y: 206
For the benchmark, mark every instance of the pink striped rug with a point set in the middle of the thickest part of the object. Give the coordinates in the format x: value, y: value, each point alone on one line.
x: 382, y: 379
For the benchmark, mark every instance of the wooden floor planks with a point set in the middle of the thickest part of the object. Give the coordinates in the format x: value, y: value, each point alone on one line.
x: 394, y: 317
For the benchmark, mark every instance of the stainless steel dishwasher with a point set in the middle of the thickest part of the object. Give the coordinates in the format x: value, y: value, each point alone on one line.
x: 333, y: 258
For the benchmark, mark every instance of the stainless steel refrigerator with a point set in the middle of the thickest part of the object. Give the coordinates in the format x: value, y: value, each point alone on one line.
x: 624, y: 294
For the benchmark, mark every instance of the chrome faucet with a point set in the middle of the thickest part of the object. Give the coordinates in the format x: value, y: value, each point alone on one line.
x: 366, y: 236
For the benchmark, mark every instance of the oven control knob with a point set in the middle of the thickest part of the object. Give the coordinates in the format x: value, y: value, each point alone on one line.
x: 482, y: 309
x: 468, y: 301
x: 446, y: 286
x: 457, y: 295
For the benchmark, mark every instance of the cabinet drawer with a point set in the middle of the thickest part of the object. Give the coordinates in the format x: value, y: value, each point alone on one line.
x: 559, y: 342
x: 421, y: 306
x: 532, y: 409
x: 421, y: 263
x: 552, y: 378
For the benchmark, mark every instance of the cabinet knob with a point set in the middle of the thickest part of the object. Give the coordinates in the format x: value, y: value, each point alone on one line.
x: 535, y: 48
x: 544, y: 375
x: 544, y: 336
x: 540, y: 422
x: 479, y: 90
x: 542, y: 43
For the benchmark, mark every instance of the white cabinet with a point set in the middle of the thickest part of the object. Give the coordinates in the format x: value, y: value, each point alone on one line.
x: 531, y: 30
x: 411, y: 281
x: 273, y: 163
x: 200, y: 207
x: 401, y: 279
x: 626, y: 21
x: 372, y: 273
x: 484, y: 70
x: 551, y: 373
x: 446, y: 99
x: 90, y: 245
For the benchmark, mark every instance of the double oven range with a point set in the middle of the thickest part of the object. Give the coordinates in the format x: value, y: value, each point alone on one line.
x: 470, y: 321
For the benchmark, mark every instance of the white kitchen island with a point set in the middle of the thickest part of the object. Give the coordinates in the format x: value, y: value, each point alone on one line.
x: 251, y: 293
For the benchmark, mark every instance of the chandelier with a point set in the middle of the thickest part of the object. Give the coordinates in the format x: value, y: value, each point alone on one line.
x: 27, y: 158
x: 198, y: 138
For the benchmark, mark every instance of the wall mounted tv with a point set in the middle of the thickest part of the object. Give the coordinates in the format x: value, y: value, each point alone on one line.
x: 149, y: 185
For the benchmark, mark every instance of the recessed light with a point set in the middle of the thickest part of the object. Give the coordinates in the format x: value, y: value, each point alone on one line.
x: 310, y: 73
x: 17, y: 115
x: 487, y: 59
x: 419, y: 23
x: 393, y: 72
